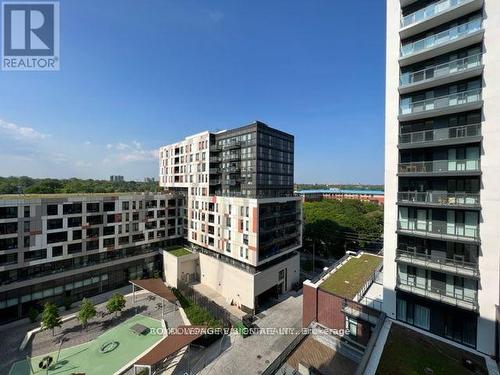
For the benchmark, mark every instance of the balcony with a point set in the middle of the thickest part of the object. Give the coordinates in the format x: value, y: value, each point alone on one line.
x: 436, y: 14
x: 441, y: 230
x: 455, y: 38
x: 441, y: 137
x: 214, y: 159
x: 454, y: 298
x: 214, y: 182
x: 441, y: 74
x: 451, y: 266
x: 439, y: 199
x: 214, y: 170
x: 232, y: 157
x: 231, y: 145
x: 468, y: 167
x: 443, y: 105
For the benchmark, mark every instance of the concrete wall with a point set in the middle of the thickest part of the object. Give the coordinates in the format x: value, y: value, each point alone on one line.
x: 391, y: 155
x: 175, y: 268
x: 270, y: 277
x: 489, y: 260
x: 234, y: 284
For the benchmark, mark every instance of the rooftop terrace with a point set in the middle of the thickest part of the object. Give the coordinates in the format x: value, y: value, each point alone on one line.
x: 349, y: 277
x: 411, y: 353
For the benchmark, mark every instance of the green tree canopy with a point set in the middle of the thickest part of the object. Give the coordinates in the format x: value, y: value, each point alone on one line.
x: 87, y: 312
x: 336, y: 226
x: 50, y: 317
x: 115, y: 304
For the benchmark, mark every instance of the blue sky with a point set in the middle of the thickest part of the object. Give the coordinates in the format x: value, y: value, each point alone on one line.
x: 139, y: 74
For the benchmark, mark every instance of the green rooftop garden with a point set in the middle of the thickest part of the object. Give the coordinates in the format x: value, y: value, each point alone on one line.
x: 178, y: 251
x: 347, y: 280
x: 411, y: 353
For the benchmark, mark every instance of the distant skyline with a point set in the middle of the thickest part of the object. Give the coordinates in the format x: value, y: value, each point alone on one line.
x: 137, y: 75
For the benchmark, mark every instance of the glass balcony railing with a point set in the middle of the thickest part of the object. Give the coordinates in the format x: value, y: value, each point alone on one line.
x: 440, y: 166
x: 455, y: 296
x: 435, y: 40
x: 440, y: 198
x: 457, y: 266
x: 439, y: 228
x: 441, y: 70
x: 443, y: 134
x: 430, y: 11
x: 459, y: 98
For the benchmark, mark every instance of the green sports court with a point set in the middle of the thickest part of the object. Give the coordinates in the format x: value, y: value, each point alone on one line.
x: 105, y: 355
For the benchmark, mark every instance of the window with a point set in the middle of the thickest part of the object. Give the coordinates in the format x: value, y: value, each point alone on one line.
x: 27, y: 211
x: 77, y: 235
x: 74, y: 222
x: 109, y: 206
x: 8, y: 212
x: 57, y: 251
x: 54, y: 224
x: 125, y: 206
x: 51, y: 209
x: 351, y: 326
x: 57, y: 237
x: 74, y: 248
x: 27, y: 241
x: 92, y: 207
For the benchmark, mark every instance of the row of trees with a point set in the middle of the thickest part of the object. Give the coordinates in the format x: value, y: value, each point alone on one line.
x: 338, y: 186
x: 51, y: 318
x: 334, y: 226
x: 28, y: 185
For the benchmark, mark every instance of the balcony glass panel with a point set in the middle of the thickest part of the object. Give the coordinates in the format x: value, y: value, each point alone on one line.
x: 440, y: 38
x: 456, y: 132
x: 439, y: 227
x: 437, y: 166
x: 460, y: 98
x: 439, y: 198
x: 441, y: 70
x: 429, y: 261
x: 430, y: 11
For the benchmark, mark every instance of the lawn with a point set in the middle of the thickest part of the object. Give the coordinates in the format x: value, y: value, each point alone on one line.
x: 195, y: 313
x: 178, y: 251
x: 411, y: 353
x: 347, y: 280
x: 87, y: 358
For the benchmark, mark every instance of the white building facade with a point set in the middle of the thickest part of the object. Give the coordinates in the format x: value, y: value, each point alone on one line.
x: 242, y: 217
x: 441, y: 229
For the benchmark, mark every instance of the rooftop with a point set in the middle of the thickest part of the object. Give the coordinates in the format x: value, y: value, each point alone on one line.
x: 178, y: 251
x: 73, y: 195
x: 349, y: 277
x: 341, y: 191
x: 409, y: 352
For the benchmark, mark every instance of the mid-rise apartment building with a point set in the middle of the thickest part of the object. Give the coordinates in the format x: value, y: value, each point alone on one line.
x: 442, y: 239
x: 242, y: 216
x: 54, y: 247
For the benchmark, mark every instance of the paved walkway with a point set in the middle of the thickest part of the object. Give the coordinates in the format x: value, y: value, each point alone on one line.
x: 253, y: 354
x: 218, y: 299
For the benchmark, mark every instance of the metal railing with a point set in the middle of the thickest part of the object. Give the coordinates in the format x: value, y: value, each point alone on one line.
x: 429, y: 261
x: 457, y: 298
x: 440, y: 198
x: 430, y: 11
x: 459, y: 98
x: 442, y: 37
x: 440, y: 70
x: 439, y: 228
x: 454, y: 132
x: 437, y: 166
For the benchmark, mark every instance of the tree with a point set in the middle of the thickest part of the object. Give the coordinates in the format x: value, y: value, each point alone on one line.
x: 115, y: 304
x: 67, y: 302
x: 87, y: 312
x: 50, y: 317
x: 33, y: 314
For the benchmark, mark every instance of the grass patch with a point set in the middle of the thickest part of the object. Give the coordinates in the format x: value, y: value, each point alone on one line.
x: 351, y: 276
x: 195, y: 313
x: 178, y: 251
x: 411, y: 353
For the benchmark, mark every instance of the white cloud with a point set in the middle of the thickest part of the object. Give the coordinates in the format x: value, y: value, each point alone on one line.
x: 20, y: 133
x: 215, y: 15
x: 83, y: 164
